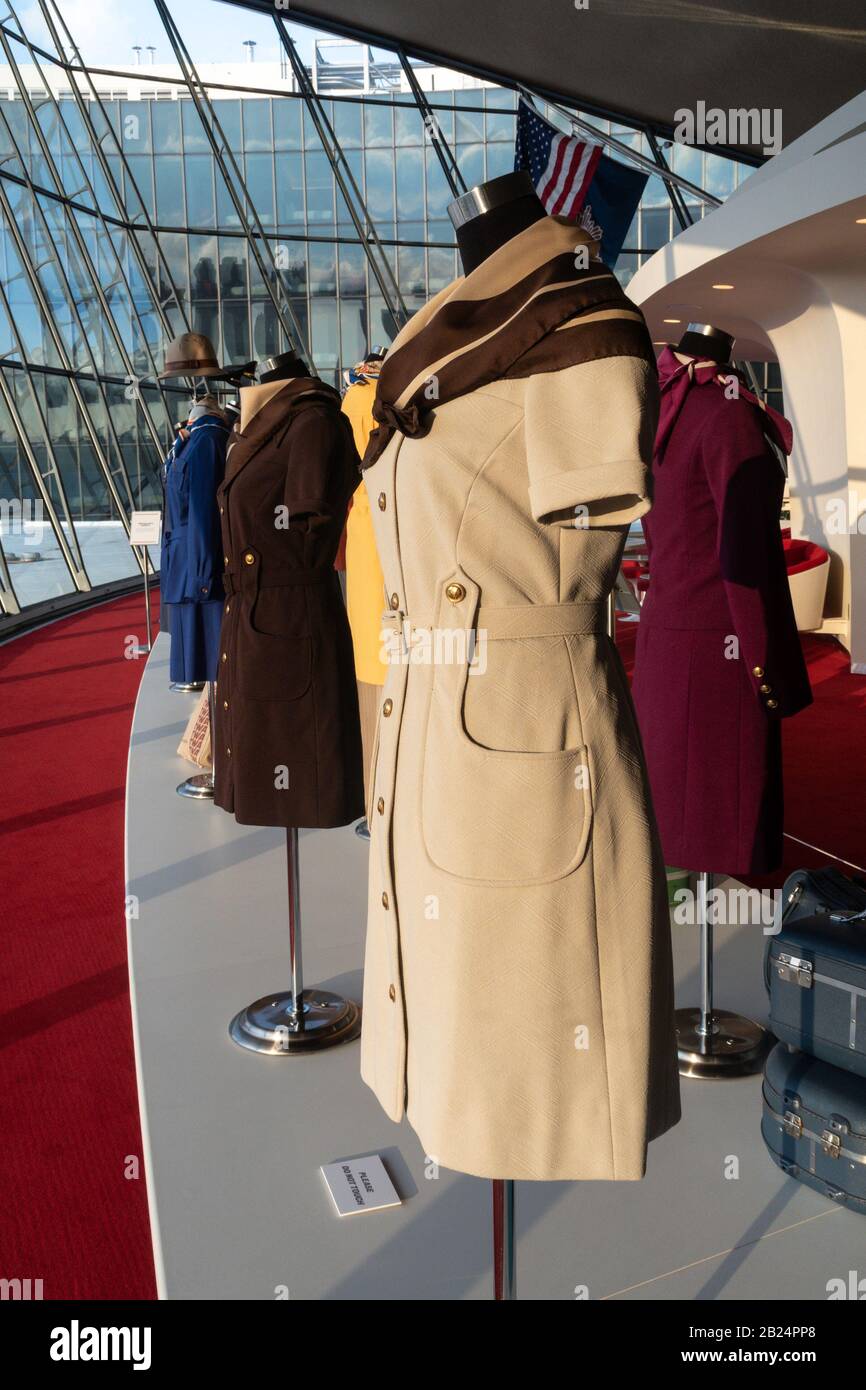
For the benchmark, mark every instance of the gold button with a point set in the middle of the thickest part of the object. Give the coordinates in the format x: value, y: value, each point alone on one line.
x: 229, y: 751
x: 225, y: 704
x: 249, y: 558
x: 772, y: 704
x: 765, y: 689
x: 226, y: 559
x: 395, y: 600
x: 228, y: 608
x: 758, y: 671
x: 392, y: 993
x: 382, y: 502
x: 385, y: 901
x: 455, y: 593
x: 222, y: 511
x: 387, y: 707
x: 204, y: 588
x: 380, y: 805
x: 225, y: 658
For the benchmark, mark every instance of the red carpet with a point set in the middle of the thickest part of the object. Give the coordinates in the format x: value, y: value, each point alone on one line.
x: 824, y: 749
x: 69, y: 1122
x: 69, y: 1215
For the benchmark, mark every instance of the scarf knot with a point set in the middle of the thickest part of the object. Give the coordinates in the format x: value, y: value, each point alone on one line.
x: 409, y: 421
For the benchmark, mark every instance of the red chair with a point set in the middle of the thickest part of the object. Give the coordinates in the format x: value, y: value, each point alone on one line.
x: 808, y: 567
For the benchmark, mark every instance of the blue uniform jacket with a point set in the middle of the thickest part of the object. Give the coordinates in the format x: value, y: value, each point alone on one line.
x: 192, y: 558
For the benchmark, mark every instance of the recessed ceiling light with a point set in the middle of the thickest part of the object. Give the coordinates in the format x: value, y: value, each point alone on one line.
x: 671, y: 320
x: 860, y: 219
x: 723, y: 287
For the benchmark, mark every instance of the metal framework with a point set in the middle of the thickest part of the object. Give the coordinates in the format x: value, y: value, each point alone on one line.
x: 78, y: 236
x: 142, y: 235
x: 58, y: 28
x: 444, y: 153
x: 367, y: 234
x: 257, y: 240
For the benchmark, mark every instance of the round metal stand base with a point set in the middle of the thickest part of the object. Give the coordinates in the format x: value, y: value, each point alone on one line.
x: 187, y: 687
x: 363, y: 830
x: 269, y: 1025
x: 199, y: 787
x: 736, y: 1047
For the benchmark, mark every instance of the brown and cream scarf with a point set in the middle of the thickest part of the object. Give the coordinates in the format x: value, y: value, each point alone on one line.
x: 538, y: 304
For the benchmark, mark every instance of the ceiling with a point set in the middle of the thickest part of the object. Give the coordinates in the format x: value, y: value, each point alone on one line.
x: 639, y: 59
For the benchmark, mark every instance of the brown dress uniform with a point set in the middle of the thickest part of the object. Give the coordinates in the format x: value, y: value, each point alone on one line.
x: 518, y: 993
x: 287, y: 749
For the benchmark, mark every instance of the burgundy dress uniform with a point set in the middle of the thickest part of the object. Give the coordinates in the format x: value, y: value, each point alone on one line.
x: 718, y: 662
x: 288, y: 739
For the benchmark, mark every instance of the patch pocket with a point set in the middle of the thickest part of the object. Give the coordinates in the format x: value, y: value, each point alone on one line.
x: 499, y: 817
x: 271, y: 665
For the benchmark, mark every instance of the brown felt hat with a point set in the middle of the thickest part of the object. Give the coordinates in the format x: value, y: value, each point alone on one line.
x: 192, y: 354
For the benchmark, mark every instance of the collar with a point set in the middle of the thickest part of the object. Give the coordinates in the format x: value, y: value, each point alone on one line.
x: 677, y: 379
x: 499, y: 321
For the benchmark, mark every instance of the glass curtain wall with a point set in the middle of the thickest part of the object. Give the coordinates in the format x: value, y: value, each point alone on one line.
x: 118, y: 230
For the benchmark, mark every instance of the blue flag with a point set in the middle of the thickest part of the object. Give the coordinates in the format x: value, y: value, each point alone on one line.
x: 611, y: 202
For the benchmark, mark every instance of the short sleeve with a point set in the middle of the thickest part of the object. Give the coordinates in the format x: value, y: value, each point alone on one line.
x: 322, y: 466
x: 590, y: 430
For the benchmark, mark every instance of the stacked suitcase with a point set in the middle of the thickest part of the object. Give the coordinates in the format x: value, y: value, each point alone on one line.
x: 814, y: 1093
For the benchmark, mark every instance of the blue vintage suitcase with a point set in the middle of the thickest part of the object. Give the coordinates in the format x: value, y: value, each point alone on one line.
x: 816, y: 975
x: 814, y: 1125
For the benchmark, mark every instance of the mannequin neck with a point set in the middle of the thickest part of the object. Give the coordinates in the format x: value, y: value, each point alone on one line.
x: 282, y: 368
x: 706, y: 347
x: 478, y: 239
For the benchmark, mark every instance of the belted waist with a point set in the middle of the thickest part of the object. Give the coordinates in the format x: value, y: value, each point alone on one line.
x: 521, y: 620
x: 237, y: 578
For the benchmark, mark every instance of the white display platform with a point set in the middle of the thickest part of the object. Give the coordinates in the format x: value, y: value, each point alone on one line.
x: 234, y: 1141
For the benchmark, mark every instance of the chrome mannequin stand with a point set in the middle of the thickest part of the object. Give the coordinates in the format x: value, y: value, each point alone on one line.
x: 200, y: 786
x: 187, y: 687
x: 293, y: 1023
x: 504, y: 1288
x: 504, y: 1239
x: 144, y: 649
x: 712, y: 1042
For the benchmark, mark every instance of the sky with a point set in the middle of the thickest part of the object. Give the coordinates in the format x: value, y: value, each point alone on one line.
x: 105, y: 30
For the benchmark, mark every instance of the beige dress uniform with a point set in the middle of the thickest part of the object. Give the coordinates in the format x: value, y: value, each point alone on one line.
x: 518, y: 987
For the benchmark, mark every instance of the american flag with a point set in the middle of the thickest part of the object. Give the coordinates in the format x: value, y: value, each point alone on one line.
x: 561, y: 166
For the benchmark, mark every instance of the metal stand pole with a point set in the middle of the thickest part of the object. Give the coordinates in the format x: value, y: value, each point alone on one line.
x: 707, y: 1027
x: 200, y: 787
x: 144, y: 650
x: 504, y: 1287
x: 713, y: 1042
x: 293, y: 1023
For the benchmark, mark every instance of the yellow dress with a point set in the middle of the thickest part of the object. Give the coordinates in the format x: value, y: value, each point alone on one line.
x: 365, y: 586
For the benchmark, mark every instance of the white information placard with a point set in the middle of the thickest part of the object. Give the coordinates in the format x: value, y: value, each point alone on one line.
x: 360, y: 1184
x: 145, y: 528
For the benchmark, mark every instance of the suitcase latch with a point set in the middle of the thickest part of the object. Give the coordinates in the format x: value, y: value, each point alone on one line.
x: 831, y: 1143
x: 794, y: 969
x: 792, y: 1124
